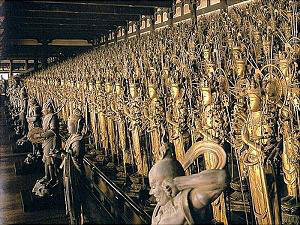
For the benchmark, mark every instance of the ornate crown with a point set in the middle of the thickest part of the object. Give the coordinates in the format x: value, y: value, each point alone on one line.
x: 254, y: 88
x: 205, y: 84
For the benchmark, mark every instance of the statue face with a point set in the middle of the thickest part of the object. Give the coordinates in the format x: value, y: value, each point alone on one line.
x: 206, y: 54
x: 254, y: 102
x: 152, y: 92
x: 118, y: 89
x: 206, y: 97
x: 157, y: 190
x: 239, y: 70
x: 284, y: 68
x: 210, y: 68
x: 108, y: 88
x: 71, y: 127
x: 133, y: 91
x: 175, y: 92
x: 271, y: 91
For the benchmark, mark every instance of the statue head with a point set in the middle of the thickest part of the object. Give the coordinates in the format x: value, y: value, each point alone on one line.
x: 284, y: 64
x: 161, y: 178
x: 175, y: 91
x: 108, y: 87
x: 206, y: 53
x: 206, y: 92
x: 75, y: 122
x: 48, y: 107
x: 118, y: 88
x: 254, y: 94
x: 240, y: 68
x: 33, y: 101
x: 133, y: 90
x: 236, y: 52
x: 152, y: 91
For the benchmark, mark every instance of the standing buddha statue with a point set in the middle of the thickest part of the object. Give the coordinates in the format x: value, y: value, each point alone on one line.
x: 133, y: 112
x: 176, y: 117
x: 211, y: 129
x: 258, y: 135
x: 155, y: 115
x: 110, y: 118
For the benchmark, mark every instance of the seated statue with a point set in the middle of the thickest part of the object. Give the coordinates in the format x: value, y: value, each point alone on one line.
x: 183, y: 199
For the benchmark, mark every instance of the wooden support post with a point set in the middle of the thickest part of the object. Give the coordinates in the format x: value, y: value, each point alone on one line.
x: 116, y: 35
x: 26, y: 64
x: 170, y: 17
x: 138, y: 28
x: 10, y: 74
x: 126, y: 32
x: 35, y: 65
x: 106, y: 40
x: 193, y: 9
x: 152, y: 23
x: 223, y: 4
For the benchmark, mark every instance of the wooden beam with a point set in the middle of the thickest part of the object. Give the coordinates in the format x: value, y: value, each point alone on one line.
x: 61, y: 27
x: 72, y: 17
x: 133, y: 3
x: 78, y: 9
x: 56, y: 21
x: 39, y: 51
x: 40, y: 35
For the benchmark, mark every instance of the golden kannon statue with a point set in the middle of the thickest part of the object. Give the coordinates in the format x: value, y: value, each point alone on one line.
x: 118, y: 108
x: 210, y: 129
x: 176, y: 117
x: 109, y: 113
x: 154, y: 113
x: 134, y: 113
x: 101, y: 107
x: 257, y: 134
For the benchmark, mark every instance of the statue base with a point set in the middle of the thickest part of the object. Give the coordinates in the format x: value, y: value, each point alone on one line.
x: 291, y: 213
x: 32, y: 203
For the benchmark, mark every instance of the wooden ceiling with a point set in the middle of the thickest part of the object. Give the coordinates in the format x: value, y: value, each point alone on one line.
x: 46, y: 21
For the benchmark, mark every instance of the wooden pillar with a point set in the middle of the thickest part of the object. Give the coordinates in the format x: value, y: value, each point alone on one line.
x: 116, y: 35
x: 138, y: 28
x: 152, y: 23
x: 106, y: 39
x: 224, y: 4
x: 126, y: 31
x: 26, y: 64
x: 35, y: 65
x: 193, y: 9
x: 10, y: 74
x: 171, y: 16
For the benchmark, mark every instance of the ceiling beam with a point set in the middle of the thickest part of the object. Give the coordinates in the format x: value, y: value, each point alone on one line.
x: 132, y: 3
x: 72, y: 17
x: 56, y: 21
x: 51, y: 35
x: 78, y: 9
x: 61, y: 27
x: 20, y: 51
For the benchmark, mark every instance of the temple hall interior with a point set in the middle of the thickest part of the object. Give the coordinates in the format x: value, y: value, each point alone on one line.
x: 150, y: 112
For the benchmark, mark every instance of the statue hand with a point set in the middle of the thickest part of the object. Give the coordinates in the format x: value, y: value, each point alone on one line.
x: 169, y: 187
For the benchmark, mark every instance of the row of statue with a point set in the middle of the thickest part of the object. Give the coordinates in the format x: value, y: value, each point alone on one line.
x: 230, y: 79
